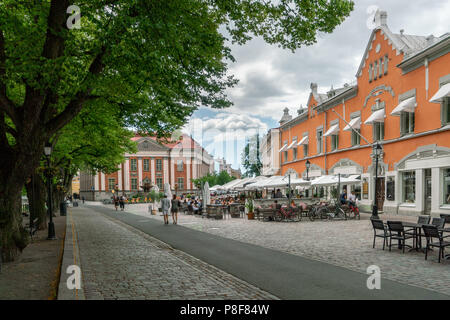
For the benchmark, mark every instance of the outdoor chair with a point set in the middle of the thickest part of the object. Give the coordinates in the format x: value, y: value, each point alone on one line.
x: 424, y: 219
x: 416, y: 231
x: 433, y: 232
x: 446, y: 218
x: 379, y: 225
x: 438, y: 222
x: 397, y: 232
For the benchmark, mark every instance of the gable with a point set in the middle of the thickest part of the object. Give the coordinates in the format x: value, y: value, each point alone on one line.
x: 147, y: 144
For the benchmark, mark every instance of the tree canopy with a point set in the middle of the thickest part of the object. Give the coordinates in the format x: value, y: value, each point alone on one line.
x: 214, y: 179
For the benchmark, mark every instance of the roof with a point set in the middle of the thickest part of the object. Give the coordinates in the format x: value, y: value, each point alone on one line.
x: 185, y: 142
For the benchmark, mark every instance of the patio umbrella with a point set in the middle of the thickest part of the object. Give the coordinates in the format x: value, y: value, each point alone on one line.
x: 167, y: 190
x: 207, y: 194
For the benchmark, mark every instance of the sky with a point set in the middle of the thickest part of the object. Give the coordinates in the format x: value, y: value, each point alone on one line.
x: 271, y: 79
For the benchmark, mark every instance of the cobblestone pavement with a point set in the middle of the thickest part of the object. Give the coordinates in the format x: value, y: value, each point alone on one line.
x: 120, y: 262
x: 344, y: 243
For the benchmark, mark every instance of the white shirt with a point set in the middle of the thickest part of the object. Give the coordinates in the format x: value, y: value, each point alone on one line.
x: 352, y: 197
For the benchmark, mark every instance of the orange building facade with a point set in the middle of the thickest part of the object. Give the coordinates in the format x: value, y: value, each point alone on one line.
x: 400, y: 99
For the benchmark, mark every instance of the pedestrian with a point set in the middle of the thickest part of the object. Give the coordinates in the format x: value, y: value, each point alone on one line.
x: 116, y: 201
x: 165, y: 206
x: 343, y: 197
x: 122, y: 202
x: 82, y: 199
x: 175, y: 208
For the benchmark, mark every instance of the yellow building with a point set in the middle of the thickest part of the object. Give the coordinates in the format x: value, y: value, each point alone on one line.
x: 76, y: 185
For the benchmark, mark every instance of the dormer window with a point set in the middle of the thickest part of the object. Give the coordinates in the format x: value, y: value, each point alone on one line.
x: 386, y: 59
x: 370, y: 73
x: 375, y: 70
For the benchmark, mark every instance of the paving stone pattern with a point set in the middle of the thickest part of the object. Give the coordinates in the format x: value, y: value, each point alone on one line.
x: 120, y: 262
x: 344, y: 243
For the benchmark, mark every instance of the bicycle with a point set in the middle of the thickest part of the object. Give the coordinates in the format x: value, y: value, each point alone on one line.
x: 313, y: 211
x: 288, y: 214
x: 333, y: 211
x: 352, y: 212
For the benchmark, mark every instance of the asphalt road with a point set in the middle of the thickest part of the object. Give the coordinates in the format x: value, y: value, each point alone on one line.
x: 284, y: 275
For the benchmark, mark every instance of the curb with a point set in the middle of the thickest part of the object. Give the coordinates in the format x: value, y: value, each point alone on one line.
x: 71, y: 256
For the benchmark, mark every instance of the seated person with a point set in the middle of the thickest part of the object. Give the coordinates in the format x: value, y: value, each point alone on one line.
x: 276, y: 205
x: 293, y: 204
x: 343, y: 197
x: 352, y: 199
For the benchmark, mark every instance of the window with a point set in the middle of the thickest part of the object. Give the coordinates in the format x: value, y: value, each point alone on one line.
x: 180, y: 184
x: 133, y: 183
x: 446, y: 185
x: 111, y: 183
x: 370, y: 73
x: 445, y: 111
x: 380, y: 66
x: 365, y: 188
x: 305, y: 150
x: 406, y: 122
x: 356, y: 139
x: 285, y: 155
x: 409, y: 186
x: 146, y: 165
x: 375, y: 70
x: 294, y: 153
x: 133, y: 164
x: 319, y: 141
x: 158, y: 165
x: 334, y: 142
x: 378, y: 131
x: 179, y: 165
x: 390, y: 189
x: 159, y: 183
x: 386, y: 59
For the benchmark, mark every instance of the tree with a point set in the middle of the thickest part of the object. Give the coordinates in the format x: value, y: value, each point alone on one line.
x: 154, y: 62
x: 251, y: 159
x: 214, y: 179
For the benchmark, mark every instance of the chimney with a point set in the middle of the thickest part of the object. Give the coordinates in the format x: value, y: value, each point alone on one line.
x: 430, y: 40
x: 402, y: 31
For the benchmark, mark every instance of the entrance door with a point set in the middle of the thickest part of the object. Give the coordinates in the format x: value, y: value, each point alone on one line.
x: 427, y: 192
x: 380, y: 194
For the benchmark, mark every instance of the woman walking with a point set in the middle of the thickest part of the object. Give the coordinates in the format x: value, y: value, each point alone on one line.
x: 175, y: 208
x: 165, y: 206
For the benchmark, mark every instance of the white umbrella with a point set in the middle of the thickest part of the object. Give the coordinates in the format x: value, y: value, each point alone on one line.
x: 207, y: 194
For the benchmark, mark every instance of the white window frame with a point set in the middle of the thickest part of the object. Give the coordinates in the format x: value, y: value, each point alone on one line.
x: 146, y: 165
x: 134, y: 184
x: 180, y: 184
x: 407, y: 128
x: 378, y: 131
x: 319, y: 140
x: 158, y: 164
x: 133, y: 164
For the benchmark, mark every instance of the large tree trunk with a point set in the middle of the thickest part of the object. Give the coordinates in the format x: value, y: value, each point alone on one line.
x: 37, y: 196
x: 13, y: 237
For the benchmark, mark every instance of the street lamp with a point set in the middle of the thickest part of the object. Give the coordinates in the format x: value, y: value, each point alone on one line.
x: 308, y: 165
x: 51, y: 226
x: 377, y: 151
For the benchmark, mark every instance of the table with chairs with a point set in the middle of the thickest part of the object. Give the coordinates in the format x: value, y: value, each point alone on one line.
x: 409, y: 234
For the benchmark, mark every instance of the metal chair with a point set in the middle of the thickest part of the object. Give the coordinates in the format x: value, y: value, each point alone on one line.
x: 379, y: 225
x: 397, y: 232
x: 433, y: 232
x: 438, y: 222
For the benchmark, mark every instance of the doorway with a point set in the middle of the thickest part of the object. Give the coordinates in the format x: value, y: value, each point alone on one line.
x: 427, y: 193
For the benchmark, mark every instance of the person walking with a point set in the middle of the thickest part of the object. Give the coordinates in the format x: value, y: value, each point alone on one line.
x: 165, y: 206
x: 116, y: 201
x: 175, y: 208
x: 122, y: 202
x: 82, y: 199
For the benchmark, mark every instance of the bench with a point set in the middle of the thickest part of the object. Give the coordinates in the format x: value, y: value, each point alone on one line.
x: 265, y: 214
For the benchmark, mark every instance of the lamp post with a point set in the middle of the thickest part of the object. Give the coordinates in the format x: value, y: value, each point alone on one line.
x: 308, y: 165
x: 377, y: 150
x: 51, y: 226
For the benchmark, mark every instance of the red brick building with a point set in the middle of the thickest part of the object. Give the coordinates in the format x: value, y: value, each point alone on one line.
x: 155, y: 163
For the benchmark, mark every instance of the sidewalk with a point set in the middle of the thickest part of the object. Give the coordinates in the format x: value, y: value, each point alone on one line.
x: 34, y: 275
x: 120, y: 262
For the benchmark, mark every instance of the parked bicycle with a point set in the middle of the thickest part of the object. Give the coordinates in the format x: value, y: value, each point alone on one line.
x: 352, y: 211
x: 333, y: 211
x: 288, y: 214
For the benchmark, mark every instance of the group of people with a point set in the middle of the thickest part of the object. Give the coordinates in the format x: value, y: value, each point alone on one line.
x: 173, y: 206
x: 225, y: 201
x: 350, y: 199
x: 119, y: 201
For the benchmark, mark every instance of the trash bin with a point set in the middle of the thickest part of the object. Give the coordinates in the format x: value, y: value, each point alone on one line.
x: 63, y: 208
x: 75, y: 203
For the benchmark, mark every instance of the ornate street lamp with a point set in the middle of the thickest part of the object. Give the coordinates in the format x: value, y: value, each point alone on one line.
x: 377, y: 151
x: 308, y: 165
x: 51, y: 226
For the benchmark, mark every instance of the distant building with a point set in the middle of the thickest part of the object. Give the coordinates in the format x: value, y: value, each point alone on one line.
x: 155, y: 163
x: 269, y: 154
x: 224, y: 166
x: 76, y: 185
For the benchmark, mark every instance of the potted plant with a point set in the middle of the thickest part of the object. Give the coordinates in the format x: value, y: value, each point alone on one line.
x: 250, y: 207
x: 155, y: 197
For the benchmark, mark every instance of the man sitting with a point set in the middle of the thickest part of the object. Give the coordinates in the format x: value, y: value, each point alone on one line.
x: 343, y: 197
x: 352, y: 199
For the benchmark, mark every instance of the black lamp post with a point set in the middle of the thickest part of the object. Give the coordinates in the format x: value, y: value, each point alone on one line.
x: 307, y: 164
x: 377, y: 150
x: 51, y: 226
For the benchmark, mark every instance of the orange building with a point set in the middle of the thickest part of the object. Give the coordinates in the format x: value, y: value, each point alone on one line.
x: 401, y: 98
